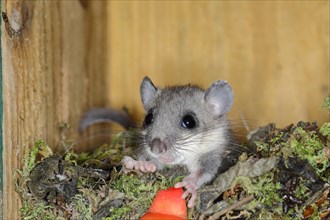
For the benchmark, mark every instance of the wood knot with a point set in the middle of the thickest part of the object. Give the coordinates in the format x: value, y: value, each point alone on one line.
x: 15, y: 19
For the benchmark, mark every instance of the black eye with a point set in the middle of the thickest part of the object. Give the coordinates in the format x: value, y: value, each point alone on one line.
x: 188, y: 121
x: 148, y: 119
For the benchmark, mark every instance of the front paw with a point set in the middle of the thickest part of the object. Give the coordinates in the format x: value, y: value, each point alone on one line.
x: 190, y: 185
x: 143, y: 166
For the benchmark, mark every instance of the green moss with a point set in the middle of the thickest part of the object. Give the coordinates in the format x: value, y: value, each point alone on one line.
x: 83, y: 207
x: 39, y: 148
x: 139, y: 192
x: 118, y: 213
x: 264, y: 187
x: 307, y: 145
x: 32, y: 207
x: 302, y: 191
x: 31, y: 211
x: 325, y: 130
x: 267, y: 190
x: 301, y: 142
x: 304, y: 141
x: 326, y: 103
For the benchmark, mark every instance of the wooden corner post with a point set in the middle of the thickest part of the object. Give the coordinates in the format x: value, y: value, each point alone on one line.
x: 53, y: 55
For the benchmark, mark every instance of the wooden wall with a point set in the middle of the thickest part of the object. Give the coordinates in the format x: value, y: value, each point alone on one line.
x: 53, y: 69
x: 275, y: 54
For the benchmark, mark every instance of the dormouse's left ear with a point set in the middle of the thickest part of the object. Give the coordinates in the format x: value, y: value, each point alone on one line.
x: 148, y: 92
x: 219, y: 98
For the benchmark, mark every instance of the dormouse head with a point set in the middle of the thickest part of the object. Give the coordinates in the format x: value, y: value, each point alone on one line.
x: 181, y: 119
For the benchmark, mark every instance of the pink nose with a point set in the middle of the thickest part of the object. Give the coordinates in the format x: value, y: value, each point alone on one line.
x: 158, y: 146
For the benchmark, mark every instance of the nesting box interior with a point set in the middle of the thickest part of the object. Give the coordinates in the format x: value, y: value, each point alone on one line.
x: 62, y: 58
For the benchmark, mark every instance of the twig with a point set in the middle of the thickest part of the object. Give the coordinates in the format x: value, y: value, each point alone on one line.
x: 233, y: 206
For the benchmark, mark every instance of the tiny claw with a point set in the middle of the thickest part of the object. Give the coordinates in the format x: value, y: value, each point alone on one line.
x: 140, y: 167
x: 179, y: 185
x: 185, y: 194
x: 151, y: 168
x: 191, y: 202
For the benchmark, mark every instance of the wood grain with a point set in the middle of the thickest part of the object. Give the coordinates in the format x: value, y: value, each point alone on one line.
x: 52, y: 71
x: 61, y: 58
x: 275, y: 54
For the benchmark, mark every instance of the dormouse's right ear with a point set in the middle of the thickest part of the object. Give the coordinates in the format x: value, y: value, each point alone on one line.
x: 219, y: 98
x: 148, y: 92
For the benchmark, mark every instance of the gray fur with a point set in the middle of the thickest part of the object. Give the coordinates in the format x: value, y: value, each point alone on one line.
x: 201, y: 149
x: 101, y: 115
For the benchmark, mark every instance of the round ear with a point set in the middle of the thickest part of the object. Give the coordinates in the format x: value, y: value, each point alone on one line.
x: 219, y: 98
x: 148, y: 92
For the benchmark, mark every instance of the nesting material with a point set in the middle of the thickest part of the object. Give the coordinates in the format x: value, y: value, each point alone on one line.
x: 284, y: 173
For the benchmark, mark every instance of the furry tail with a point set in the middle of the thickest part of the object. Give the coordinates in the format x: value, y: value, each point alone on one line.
x: 99, y: 115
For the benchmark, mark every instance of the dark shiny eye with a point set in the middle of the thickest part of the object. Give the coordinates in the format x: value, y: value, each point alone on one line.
x: 148, y: 119
x: 188, y: 121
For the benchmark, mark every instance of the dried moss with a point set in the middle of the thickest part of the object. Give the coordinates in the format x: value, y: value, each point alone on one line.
x: 103, y: 191
x: 282, y: 190
x: 120, y: 196
x: 305, y: 149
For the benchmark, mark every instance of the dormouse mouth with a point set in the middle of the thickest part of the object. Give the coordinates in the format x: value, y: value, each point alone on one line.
x: 166, y: 159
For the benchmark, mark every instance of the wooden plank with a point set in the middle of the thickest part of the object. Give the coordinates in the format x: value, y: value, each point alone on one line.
x: 52, y: 71
x: 274, y: 53
x: 1, y: 143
